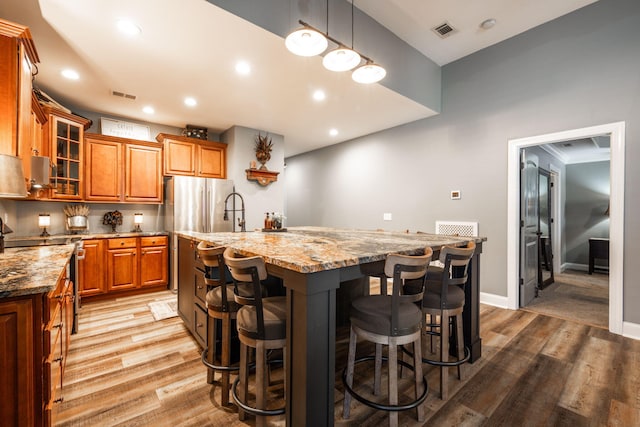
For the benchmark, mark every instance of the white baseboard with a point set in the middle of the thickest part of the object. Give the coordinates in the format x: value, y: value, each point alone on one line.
x: 629, y: 330
x: 494, y: 300
x: 574, y: 266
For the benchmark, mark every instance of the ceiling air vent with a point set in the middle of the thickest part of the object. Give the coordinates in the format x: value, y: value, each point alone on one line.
x: 123, y: 95
x: 444, y: 30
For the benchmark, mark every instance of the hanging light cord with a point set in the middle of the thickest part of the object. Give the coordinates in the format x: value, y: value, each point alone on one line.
x: 338, y: 42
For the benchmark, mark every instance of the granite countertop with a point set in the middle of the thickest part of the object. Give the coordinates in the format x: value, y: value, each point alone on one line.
x: 32, y: 270
x: 313, y: 249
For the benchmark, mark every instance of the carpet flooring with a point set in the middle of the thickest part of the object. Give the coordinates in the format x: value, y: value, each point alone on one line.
x: 575, y: 296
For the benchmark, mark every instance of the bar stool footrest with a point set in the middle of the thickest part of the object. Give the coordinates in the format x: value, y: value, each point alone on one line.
x: 250, y: 409
x: 380, y: 406
x: 210, y: 365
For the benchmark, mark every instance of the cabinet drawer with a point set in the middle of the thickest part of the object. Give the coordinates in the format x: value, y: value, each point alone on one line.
x: 125, y: 242
x: 153, y: 241
x: 200, y: 325
x: 201, y: 287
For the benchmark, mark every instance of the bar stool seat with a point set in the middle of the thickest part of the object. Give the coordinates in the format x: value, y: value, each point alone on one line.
x: 393, y: 320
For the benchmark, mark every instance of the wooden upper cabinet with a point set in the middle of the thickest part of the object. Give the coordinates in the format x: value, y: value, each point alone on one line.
x: 64, y: 136
x: 193, y: 157
x: 179, y: 158
x: 122, y: 170
x: 211, y: 161
x: 143, y: 173
x: 103, y: 169
x: 17, y: 58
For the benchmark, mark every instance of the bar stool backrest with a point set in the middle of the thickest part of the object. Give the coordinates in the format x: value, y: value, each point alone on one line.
x: 456, y: 265
x: 248, y: 271
x: 212, y: 257
x: 401, y: 268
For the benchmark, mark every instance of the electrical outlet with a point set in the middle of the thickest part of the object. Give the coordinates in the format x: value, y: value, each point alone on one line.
x: 455, y: 194
x: 387, y: 216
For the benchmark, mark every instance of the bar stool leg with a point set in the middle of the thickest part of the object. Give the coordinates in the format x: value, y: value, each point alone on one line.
x: 444, y: 356
x: 460, y: 344
x: 351, y: 360
x: 211, y: 349
x: 226, y: 357
x: 393, y: 383
x: 261, y: 381
x: 417, y: 364
x: 377, y: 370
x: 244, y: 378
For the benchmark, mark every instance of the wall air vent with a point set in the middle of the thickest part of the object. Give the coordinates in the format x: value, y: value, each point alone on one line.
x: 444, y: 30
x: 123, y: 95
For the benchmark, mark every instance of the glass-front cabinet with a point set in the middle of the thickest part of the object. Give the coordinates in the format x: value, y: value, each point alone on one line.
x: 66, y: 135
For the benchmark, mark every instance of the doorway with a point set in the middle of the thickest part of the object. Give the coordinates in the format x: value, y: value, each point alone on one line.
x: 616, y: 212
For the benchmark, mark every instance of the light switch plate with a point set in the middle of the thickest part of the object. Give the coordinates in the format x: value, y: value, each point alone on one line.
x: 387, y: 216
x: 455, y: 195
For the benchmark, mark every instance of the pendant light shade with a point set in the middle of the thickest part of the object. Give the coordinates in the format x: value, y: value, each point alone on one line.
x: 341, y: 59
x: 369, y: 73
x: 306, y: 42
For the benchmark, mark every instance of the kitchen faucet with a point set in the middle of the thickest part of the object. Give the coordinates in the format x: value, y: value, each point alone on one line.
x: 233, y: 210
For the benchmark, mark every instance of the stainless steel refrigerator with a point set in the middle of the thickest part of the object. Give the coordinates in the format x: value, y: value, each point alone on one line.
x: 194, y: 204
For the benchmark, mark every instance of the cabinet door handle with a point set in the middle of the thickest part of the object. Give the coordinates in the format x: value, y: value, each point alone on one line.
x: 59, y: 359
x: 59, y: 400
x: 59, y: 325
x: 199, y: 325
x: 121, y: 243
x: 200, y: 287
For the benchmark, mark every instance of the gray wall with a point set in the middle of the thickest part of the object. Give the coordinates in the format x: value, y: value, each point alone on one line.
x: 588, y: 189
x: 579, y: 70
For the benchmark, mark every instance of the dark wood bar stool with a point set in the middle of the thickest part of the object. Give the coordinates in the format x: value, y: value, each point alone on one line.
x: 393, y: 320
x: 222, y: 307
x: 443, y: 302
x: 261, y: 325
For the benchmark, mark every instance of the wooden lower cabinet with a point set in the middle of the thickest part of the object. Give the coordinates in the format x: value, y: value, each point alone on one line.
x: 120, y: 265
x: 91, y: 269
x: 35, y: 332
x: 154, y: 256
x: 18, y: 367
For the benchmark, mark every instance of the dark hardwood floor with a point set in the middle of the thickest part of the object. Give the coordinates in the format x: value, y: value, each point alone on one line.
x: 126, y: 369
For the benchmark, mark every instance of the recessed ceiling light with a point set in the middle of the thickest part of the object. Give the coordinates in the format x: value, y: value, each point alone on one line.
x: 488, y: 23
x: 319, y: 95
x: 333, y: 132
x: 190, y: 102
x: 148, y: 109
x: 70, y: 74
x: 128, y: 27
x: 243, y: 68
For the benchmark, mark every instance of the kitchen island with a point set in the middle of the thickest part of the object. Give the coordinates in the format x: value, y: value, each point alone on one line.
x: 313, y: 262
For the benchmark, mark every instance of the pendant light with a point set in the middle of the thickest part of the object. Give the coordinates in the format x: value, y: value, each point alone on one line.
x: 368, y: 73
x: 306, y: 42
x: 342, y: 58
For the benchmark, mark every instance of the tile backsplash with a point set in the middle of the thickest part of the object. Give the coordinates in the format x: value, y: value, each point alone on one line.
x: 22, y: 217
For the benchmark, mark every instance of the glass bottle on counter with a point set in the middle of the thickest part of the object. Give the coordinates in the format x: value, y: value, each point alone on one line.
x: 267, y: 221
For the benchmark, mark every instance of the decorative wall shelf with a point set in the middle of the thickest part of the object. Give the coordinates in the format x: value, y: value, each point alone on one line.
x: 263, y: 176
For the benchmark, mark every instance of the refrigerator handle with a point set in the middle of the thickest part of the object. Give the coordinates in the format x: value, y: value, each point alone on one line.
x: 203, y: 210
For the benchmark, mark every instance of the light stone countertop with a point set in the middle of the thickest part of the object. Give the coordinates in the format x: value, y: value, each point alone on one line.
x: 313, y: 249
x: 32, y: 270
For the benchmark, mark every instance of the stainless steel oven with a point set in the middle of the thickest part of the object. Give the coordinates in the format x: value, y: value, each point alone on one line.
x: 77, y: 255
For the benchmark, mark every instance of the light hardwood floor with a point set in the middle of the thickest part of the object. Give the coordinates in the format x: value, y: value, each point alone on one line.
x: 126, y: 369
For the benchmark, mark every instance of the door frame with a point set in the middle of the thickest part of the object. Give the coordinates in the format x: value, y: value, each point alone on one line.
x: 616, y: 131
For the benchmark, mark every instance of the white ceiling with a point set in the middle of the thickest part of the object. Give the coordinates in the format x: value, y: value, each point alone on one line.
x: 190, y: 48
